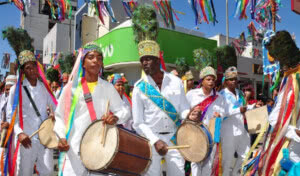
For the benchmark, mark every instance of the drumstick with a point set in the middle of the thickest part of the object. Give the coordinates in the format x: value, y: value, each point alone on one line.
x: 34, y: 133
x: 178, y: 147
x: 104, y: 131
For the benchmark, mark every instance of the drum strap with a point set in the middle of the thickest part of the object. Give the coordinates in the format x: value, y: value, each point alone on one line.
x: 88, y: 99
x: 32, y: 102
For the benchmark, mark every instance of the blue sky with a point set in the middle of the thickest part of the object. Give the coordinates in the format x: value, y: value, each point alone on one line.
x: 10, y: 16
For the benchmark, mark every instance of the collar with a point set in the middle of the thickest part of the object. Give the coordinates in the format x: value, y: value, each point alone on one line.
x: 202, y: 93
x: 149, y: 79
x: 26, y: 83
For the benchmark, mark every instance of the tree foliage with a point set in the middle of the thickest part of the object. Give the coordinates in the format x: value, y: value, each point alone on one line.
x: 18, y: 39
x: 284, y: 49
x: 226, y: 56
x: 66, y: 63
x: 52, y: 75
x: 203, y: 58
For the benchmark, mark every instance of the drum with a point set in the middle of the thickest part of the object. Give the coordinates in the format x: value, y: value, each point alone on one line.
x: 47, y: 136
x: 123, y: 152
x: 198, y: 137
x: 257, y: 119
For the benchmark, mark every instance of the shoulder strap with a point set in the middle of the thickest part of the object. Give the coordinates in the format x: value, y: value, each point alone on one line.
x: 88, y: 99
x: 32, y: 102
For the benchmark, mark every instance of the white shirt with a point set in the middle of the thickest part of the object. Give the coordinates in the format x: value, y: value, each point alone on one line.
x: 235, y: 118
x: 196, y: 96
x: 31, y: 122
x: 103, y: 92
x: 148, y: 118
x: 128, y: 124
x: 290, y: 133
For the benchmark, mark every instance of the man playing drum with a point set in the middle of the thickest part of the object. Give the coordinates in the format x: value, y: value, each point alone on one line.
x: 89, y: 99
x: 234, y: 135
x: 159, y: 103
x: 34, y: 98
x: 207, y: 98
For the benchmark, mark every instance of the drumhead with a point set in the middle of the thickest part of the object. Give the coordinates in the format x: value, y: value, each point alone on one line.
x: 93, y: 154
x: 193, y: 135
x: 47, y: 136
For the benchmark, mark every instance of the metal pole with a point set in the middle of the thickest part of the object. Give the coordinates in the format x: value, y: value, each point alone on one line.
x: 227, y: 24
x: 273, y: 4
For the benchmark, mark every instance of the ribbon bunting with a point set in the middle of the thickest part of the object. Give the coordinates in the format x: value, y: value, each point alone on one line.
x: 206, y: 6
x: 129, y: 7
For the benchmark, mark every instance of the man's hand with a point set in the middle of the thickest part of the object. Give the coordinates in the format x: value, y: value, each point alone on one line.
x: 51, y: 113
x: 63, y: 145
x: 161, y: 147
x: 243, y: 109
x: 24, y: 140
x: 195, y: 114
x: 216, y: 114
x: 110, y: 119
x: 4, y: 125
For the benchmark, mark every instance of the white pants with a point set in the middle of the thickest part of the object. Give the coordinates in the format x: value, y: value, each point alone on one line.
x: 205, y: 167
x: 38, y: 154
x: 231, y: 144
x: 174, y: 161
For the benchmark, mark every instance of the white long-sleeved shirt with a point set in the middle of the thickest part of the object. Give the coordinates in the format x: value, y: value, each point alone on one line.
x: 290, y: 132
x: 31, y: 122
x: 196, y: 96
x: 235, y: 119
x: 103, y: 92
x: 148, y: 118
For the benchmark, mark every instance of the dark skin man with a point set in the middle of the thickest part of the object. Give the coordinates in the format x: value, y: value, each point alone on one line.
x: 231, y: 85
x: 92, y: 63
x: 151, y: 66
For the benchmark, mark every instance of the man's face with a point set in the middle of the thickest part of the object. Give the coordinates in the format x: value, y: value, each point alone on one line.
x: 93, y: 62
x: 190, y: 84
x: 30, y: 70
x: 150, y: 64
x: 209, y: 82
x: 7, y: 88
x: 54, y: 86
x: 231, y: 83
x: 120, y: 87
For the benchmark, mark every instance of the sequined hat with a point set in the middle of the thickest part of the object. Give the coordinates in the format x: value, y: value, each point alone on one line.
x: 206, y: 71
x: 26, y: 56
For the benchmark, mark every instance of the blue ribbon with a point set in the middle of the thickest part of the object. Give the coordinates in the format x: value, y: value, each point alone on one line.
x: 161, y: 102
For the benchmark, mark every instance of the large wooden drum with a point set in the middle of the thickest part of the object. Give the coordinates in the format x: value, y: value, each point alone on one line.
x: 123, y: 152
x: 47, y: 136
x: 198, y: 137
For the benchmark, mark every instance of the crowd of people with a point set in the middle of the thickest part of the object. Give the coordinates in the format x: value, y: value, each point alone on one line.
x: 142, y: 115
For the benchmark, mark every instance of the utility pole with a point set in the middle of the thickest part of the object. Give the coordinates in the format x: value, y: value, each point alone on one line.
x: 273, y: 9
x: 227, y: 24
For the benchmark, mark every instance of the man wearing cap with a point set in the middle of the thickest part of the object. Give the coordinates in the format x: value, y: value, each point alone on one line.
x: 203, y: 98
x: 188, y: 81
x: 158, y: 104
x: 95, y: 91
x: 9, y: 82
x: 118, y: 80
x: 234, y: 136
x: 35, y: 99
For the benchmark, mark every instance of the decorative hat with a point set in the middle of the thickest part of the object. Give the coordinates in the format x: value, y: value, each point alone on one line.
x: 206, y: 71
x: 90, y: 47
x: 26, y: 56
x: 231, y: 72
x: 11, y: 80
x: 116, y: 77
x: 148, y: 48
x: 189, y: 75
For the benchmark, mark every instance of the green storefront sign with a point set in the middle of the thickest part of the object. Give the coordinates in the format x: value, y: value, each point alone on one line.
x: 119, y: 46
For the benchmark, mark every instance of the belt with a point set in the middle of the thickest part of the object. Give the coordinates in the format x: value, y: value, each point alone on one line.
x: 164, y: 133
